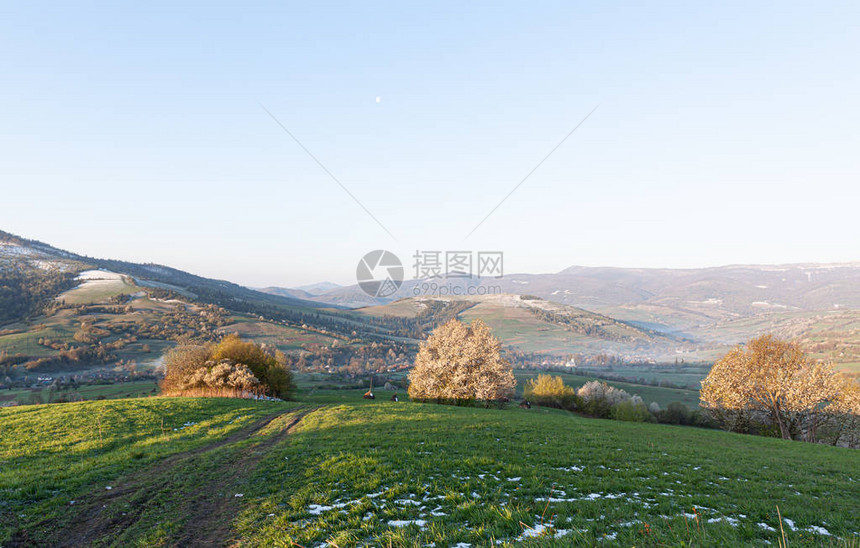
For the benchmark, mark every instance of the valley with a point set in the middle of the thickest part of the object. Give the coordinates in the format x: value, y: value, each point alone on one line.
x: 110, y: 321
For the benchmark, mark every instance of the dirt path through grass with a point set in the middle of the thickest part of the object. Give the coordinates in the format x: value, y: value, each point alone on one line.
x: 199, y: 489
x: 209, y: 523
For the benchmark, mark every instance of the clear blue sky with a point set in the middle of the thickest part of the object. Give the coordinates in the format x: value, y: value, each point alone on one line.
x: 727, y: 132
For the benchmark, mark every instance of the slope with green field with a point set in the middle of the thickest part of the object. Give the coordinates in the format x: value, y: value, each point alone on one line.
x: 64, y: 314
x: 102, y: 278
x: 113, y: 312
x: 350, y: 473
x: 531, y: 324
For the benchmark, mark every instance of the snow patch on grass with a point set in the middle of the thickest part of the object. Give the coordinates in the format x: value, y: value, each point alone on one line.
x: 541, y: 530
x: 818, y: 530
x: 407, y: 522
x: 572, y: 468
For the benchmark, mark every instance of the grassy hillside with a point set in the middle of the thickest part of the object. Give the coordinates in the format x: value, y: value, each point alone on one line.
x: 65, y: 315
x: 138, y: 329
x: 134, y: 324
x: 98, y: 286
x: 42, y: 394
x: 163, y: 471
x: 35, y: 255
x: 833, y: 335
x: 286, y: 338
x: 531, y: 324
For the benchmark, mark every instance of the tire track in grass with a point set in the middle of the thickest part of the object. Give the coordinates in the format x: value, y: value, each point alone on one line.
x: 210, y: 523
x: 108, y: 513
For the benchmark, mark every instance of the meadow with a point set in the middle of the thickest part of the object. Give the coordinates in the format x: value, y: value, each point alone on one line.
x: 662, y: 395
x: 98, y: 286
x: 131, y: 389
x: 689, y: 375
x: 53, y: 456
x: 284, y: 337
x: 161, y: 471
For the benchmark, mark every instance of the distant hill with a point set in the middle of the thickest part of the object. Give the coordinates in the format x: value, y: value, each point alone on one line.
x: 318, y: 288
x: 532, y: 324
x: 307, y: 292
x: 220, y: 292
x: 816, y: 303
x: 288, y: 292
x: 62, y: 312
x: 719, y: 292
x: 731, y: 290
x: 39, y: 264
x: 352, y: 296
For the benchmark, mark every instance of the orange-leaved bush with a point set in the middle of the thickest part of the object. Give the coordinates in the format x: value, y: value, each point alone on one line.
x: 232, y: 367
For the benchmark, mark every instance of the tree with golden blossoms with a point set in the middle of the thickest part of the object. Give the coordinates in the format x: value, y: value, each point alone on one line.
x: 550, y: 391
x: 841, y: 421
x: 773, y: 383
x: 461, y: 362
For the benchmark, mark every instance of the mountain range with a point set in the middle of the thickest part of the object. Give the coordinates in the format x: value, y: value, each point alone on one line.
x: 818, y: 304
x: 659, y: 313
x: 714, y: 293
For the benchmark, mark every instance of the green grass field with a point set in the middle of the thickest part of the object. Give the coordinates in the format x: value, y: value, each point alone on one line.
x: 663, y: 396
x: 54, y: 455
x: 99, y: 287
x: 132, y: 389
x: 688, y: 375
x: 519, y: 328
x: 159, y: 471
x: 59, y: 326
x: 286, y: 338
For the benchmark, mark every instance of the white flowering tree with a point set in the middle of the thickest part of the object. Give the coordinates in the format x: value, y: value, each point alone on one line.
x: 461, y: 362
x: 600, y: 391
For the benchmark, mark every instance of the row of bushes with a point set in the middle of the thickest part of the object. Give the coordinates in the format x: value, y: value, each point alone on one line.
x: 598, y: 399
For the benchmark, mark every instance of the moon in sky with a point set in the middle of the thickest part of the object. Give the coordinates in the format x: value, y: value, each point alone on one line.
x: 378, y: 99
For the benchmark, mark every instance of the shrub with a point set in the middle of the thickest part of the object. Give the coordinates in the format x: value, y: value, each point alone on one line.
x: 269, y: 367
x: 231, y: 368
x: 235, y: 376
x: 631, y: 411
x: 675, y: 413
x: 550, y: 391
x: 598, y: 398
x: 181, y: 362
x: 702, y: 420
x: 280, y: 380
